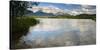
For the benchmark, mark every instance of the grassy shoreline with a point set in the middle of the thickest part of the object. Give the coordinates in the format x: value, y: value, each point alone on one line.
x: 19, y: 26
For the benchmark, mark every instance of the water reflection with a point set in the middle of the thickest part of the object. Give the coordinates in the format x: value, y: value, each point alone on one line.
x: 60, y: 32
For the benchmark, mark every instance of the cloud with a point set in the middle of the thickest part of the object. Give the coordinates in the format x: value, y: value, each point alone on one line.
x: 33, y: 10
x: 84, y: 9
x: 47, y: 9
x: 73, y: 12
x: 53, y: 7
x: 88, y: 9
x: 88, y: 6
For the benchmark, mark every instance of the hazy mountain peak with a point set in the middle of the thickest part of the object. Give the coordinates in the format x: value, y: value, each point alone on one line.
x: 51, y: 9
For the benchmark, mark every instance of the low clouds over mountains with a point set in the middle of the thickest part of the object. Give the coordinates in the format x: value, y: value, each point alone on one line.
x: 58, y: 10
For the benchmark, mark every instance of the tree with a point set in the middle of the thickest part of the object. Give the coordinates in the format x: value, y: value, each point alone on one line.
x: 17, y: 8
x: 19, y: 25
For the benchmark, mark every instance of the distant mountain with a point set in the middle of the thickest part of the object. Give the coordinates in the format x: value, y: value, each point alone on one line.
x: 41, y: 13
x: 87, y: 15
x: 55, y: 11
x: 46, y: 11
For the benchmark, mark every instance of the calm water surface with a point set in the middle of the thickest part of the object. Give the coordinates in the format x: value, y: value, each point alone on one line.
x: 61, y: 32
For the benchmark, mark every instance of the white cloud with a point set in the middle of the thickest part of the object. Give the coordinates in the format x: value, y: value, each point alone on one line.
x: 51, y: 9
x: 46, y: 9
x: 73, y: 12
x: 33, y: 9
x: 84, y: 9
x: 88, y: 9
x: 54, y: 7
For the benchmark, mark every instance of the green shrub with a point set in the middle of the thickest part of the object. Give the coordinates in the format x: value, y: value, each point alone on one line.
x: 19, y: 27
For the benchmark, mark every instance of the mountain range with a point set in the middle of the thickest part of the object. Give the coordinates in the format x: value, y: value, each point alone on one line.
x: 52, y: 11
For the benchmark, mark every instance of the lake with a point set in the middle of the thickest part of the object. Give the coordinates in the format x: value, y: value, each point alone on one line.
x: 60, y: 32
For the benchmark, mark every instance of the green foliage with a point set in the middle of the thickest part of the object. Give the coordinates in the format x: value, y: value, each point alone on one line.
x: 82, y: 16
x: 18, y: 8
x: 19, y: 24
x: 19, y: 27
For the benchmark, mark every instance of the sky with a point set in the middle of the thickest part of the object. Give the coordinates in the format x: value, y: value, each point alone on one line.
x: 73, y: 9
x: 60, y: 5
x: 64, y: 6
